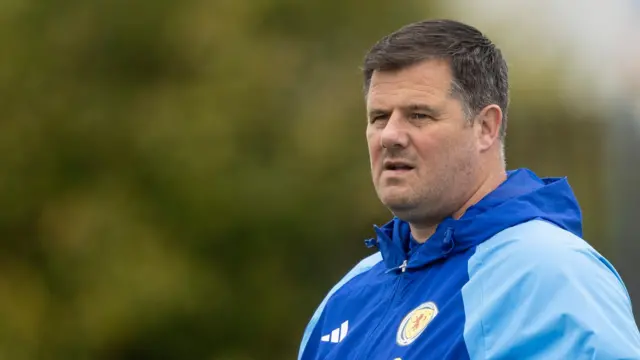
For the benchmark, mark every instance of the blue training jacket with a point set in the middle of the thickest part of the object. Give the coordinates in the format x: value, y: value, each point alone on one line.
x: 511, y: 279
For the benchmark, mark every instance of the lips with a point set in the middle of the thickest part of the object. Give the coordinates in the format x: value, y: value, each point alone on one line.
x: 397, y: 166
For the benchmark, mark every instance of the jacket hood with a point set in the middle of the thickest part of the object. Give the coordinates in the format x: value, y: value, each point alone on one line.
x: 523, y: 196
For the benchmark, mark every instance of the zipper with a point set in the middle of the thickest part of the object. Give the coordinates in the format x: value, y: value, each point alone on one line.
x: 396, y: 286
x: 402, y: 267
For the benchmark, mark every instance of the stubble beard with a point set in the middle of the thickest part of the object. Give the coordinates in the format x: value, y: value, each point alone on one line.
x: 413, y: 205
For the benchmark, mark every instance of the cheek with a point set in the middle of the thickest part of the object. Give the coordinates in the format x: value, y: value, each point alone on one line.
x: 461, y: 152
x: 429, y: 147
x: 374, y: 158
x: 373, y: 143
x: 439, y: 150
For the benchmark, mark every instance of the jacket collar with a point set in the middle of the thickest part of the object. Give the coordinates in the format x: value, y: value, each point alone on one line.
x: 522, y: 197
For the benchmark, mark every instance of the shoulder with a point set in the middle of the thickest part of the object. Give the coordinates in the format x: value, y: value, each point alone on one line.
x: 533, y: 238
x: 561, y: 295
x: 360, y: 268
x: 364, y: 265
x: 543, y: 250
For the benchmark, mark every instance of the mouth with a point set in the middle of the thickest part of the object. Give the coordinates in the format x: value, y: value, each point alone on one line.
x: 397, y: 166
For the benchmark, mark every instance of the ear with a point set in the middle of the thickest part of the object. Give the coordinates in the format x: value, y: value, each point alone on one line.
x: 488, y: 123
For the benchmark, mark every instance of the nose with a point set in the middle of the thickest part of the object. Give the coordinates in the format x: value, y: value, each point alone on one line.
x: 394, y: 134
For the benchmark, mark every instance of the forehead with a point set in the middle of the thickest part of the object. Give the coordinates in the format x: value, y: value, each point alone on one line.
x: 427, y: 81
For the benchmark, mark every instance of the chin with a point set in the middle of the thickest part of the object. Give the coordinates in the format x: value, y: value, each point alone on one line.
x: 398, y: 202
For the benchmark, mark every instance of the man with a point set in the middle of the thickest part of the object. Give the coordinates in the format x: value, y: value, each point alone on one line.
x: 478, y: 262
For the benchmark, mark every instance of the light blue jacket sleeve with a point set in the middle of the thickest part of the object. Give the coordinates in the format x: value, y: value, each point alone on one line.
x: 536, y: 291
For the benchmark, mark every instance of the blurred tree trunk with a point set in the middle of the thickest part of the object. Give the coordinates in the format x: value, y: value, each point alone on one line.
x: 624, y: 150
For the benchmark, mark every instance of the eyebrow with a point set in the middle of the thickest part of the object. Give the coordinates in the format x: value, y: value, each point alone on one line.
x: 375, y: 112
x: 407, y: 109
x: 422, y: 108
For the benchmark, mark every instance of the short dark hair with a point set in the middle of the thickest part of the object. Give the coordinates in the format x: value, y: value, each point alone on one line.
x: 479, y: 72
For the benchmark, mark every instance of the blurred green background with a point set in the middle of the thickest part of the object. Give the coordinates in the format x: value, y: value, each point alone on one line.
x: 186, y: 180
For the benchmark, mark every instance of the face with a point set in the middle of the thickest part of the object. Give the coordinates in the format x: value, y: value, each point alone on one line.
x: 423, y: 151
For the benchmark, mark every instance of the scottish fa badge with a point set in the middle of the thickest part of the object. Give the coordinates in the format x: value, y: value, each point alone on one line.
x: 415, y: 323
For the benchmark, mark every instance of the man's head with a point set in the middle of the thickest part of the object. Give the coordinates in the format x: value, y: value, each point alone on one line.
x: 437, y: 97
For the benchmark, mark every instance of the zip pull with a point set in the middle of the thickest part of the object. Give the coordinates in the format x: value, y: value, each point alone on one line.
x: 402, y: 267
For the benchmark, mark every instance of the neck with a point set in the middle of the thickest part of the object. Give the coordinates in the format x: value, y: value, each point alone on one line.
x: 491, y: 182
x: 421, y: 232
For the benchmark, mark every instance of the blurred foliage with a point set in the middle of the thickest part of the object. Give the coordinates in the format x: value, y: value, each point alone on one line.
x: 186, y: 180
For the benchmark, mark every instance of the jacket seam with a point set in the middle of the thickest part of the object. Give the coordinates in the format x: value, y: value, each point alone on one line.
x: 482, y: 330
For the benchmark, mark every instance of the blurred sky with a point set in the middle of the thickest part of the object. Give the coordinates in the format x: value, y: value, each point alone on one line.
x: 597, y: 41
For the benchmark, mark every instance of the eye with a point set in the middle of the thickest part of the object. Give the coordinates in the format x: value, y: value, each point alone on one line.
x: 379, y: 117
x: 419, y: 116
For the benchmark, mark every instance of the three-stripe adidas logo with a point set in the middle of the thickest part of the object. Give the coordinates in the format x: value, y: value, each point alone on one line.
x: 337, y: 334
